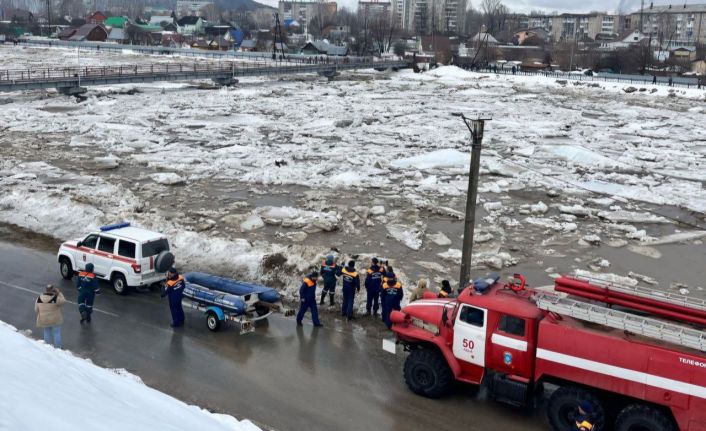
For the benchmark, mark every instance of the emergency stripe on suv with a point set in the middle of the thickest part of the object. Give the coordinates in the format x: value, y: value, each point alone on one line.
x: 623, y: 373
x: 101, y: 253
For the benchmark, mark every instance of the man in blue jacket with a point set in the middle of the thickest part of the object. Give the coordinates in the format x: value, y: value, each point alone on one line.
x: 373, y: 284
x: 351, y: 285
x: 174, y: 290
x: 329, y: 272
x: 87, y: 285
x: 307, y: 294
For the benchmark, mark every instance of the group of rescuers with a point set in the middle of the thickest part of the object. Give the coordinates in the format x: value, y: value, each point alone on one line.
x: 384, y: 290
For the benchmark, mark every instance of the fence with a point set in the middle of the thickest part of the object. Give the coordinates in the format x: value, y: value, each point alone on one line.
x: 676, y: 82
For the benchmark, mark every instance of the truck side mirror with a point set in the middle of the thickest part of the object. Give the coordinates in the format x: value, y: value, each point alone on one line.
x: 445, y: 316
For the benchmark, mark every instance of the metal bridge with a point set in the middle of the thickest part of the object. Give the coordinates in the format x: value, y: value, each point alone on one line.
x: 72, y: 80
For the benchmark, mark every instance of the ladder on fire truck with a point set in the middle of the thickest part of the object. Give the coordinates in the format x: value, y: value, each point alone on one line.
x: 636, y: 324
x: 646, y: 292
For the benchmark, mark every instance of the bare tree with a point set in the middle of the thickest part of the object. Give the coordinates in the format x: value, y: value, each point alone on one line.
x: 495, y: 15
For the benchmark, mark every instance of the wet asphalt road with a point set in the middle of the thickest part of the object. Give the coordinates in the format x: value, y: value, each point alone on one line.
x: 283, y: 377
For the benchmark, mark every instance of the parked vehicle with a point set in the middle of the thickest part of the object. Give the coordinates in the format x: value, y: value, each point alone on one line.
x: 124, y: 255
x: 640, y: 363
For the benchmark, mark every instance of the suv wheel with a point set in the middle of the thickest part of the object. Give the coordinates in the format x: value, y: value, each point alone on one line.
x: 427, y: 373
x: 65, y: 268
x: 119, y: 284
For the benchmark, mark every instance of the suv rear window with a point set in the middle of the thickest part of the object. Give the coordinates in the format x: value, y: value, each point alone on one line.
x: 126, y: 249
x: 107, y: 245
x: 155, y: 247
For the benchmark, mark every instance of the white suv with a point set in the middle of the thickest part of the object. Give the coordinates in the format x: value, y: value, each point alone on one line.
x: 124, y: 255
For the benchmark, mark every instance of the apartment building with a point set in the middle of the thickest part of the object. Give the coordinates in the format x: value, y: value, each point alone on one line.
x: 305, y: 11
x: 672, y: 24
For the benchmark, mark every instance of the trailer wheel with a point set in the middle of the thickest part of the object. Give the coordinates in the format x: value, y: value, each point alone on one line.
x: 212, y: 321
x: 640, y: 417
x: 427, y: 373
x: 67, y: 272
x: 562, y: 408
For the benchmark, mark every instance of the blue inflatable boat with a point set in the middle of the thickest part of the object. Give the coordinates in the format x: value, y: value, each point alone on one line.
x: 227, y: 299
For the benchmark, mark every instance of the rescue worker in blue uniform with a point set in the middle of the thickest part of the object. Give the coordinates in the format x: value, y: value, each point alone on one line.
x: 388, y: 273
x: 307, y: 294
x: 584, y: 420
x: 373, y: 286
x: 174, y: 290
x: 351, y: 285
x: 392, y: 297
x: 329, y: 272
x: 87, y: 285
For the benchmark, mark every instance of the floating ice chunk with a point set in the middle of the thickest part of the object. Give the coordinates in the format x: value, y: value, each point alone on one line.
x: 493, y: 206
x: 435, y: 159
x: 439, y: 239
x: 609, y: 277
x: 377, y: 210
x: 592, y: 239
x: 168, y: 178
x: 411, y: 236
x: 678, y: 237
x: 623, y: 216
x: 539, y: 208
x: 253, y: 222
x: 577, y: 210
x: 452, y: 255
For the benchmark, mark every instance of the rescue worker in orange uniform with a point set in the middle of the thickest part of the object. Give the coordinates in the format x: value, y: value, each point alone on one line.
x: 373, y: 286
x: 174, y: 290
x: 584, y: 420
x: 329, y: 271
x: 446, y: 290
x: 307, y: 294
x: 87, y: 285
x: 351, y: 285
x: 392, y: 296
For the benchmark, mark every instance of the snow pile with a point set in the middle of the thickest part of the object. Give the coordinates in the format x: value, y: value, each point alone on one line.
x: 43, y: 389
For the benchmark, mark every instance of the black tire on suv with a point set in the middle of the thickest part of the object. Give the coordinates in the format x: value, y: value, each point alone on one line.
x: 65, y: 268
x: 427, y: 373
x: 119, y: 283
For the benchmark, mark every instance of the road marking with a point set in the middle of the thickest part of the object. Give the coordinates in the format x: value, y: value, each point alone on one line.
x: 24, y: 289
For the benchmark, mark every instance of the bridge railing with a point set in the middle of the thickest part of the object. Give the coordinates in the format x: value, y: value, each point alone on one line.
x: 205, y: 68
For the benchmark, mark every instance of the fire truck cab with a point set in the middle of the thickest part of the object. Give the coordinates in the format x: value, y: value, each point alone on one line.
x: 508, y: 339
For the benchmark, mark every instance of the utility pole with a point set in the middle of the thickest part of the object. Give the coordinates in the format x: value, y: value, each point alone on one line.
x: 475, y: 126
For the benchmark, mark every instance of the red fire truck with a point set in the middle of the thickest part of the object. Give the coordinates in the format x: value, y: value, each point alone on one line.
x: 635, y: 354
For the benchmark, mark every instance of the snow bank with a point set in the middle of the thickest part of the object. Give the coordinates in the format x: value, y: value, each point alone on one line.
x: 43, y: 389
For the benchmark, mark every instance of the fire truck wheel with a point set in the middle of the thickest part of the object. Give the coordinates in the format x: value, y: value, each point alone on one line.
x: 639, y: 417
x: 65, y: 268
x: 212, y: 321
x: 119, y: 283
x: 427, y: 373
x: 562, y: 408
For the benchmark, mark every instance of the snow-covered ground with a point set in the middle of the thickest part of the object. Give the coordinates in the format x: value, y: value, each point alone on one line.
x: 261, y: 180
x: 48, y: 389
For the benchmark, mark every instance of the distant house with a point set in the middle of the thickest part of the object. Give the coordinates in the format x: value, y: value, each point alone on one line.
x: 220, y: 43
x: 530, y: 37
x: 432, y: 44
x: 217, y: 30
x: 686, y: 53
x: 117, y: 35
x: 116, y: 22
x: 200, y: 44
x: 320, y: 47
x: 90, y: 32
x: 699, y: 67
x: 172, y: 39
x: 191, y: 25
x: 96, y: 18
x: 626, y: 40
x: 161, y: 20
x: 485, y: 39
x: 66, y: 33
x: 248, y: 45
